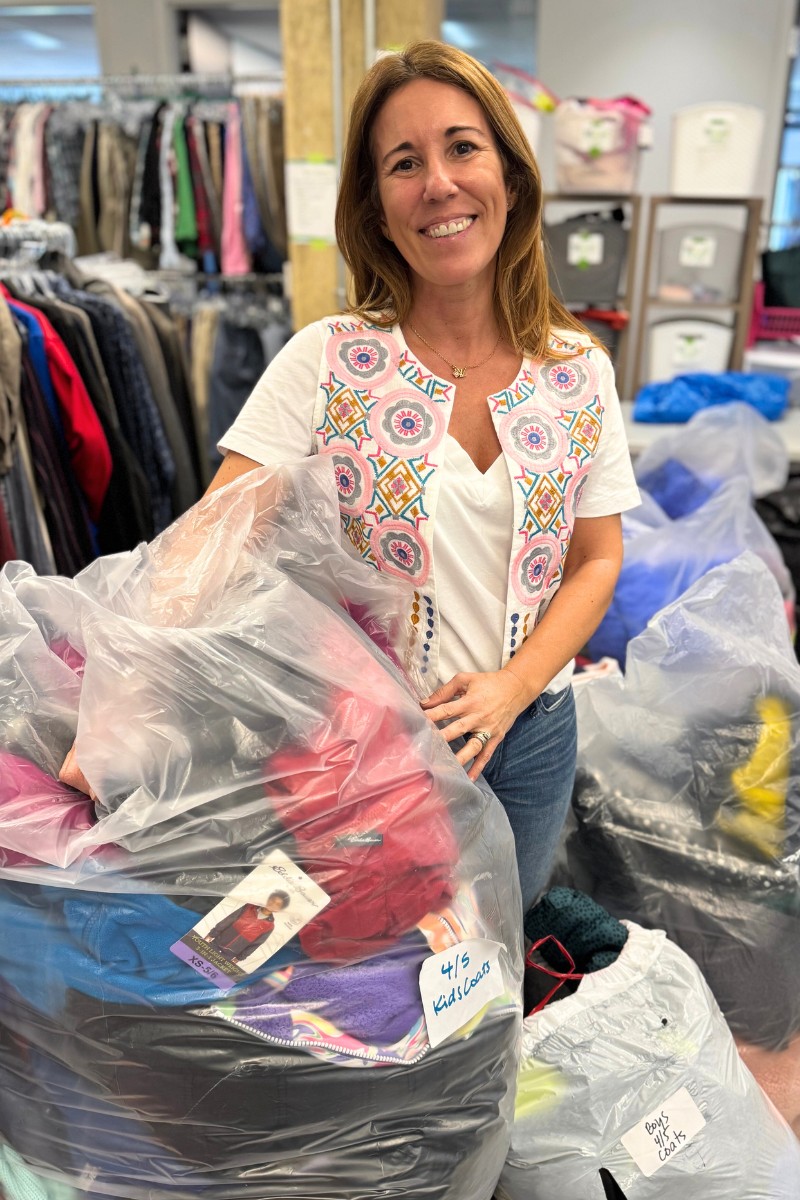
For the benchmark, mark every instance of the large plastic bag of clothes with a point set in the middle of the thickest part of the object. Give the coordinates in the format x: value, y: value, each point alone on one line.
x: 662, y: 560
x: 681, y: 470
x: 687, y: 801
x: 211, y: 962
x: 634, y: 1081
x: 678, y: 399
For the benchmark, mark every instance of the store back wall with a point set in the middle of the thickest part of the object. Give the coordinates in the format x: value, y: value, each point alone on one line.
x: 668, y: 53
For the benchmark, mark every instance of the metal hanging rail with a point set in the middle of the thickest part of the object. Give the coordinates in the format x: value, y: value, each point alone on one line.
x: 185, y: 80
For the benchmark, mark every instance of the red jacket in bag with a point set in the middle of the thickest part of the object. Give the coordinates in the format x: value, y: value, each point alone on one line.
x: 371, y: 827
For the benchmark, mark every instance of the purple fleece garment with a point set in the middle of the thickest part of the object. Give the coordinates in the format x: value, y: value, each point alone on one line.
x: 376, y: 1001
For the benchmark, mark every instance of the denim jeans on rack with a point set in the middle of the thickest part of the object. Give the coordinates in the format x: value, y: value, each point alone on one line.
x: 532, y: 772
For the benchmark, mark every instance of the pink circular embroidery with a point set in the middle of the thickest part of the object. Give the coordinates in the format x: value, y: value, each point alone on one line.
x: 399, y: 550
x: 573, y: 493
x: 365, y: 358
x: 534, y: 567
x: 568, y: 384
x: 354, y: 478
x: 406, y: 424
x: 533, y: 439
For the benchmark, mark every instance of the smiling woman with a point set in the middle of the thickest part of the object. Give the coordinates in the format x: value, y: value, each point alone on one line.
x: 472, y: 425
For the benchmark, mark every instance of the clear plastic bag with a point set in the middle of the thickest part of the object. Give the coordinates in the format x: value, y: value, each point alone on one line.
x: 687, y: 801
x: 642, y: 1046
x: 209, y: 971
x: 662, y: 560
x: 681, y: 470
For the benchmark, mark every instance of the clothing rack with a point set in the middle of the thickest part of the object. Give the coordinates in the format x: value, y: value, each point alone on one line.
x: 32, y: 238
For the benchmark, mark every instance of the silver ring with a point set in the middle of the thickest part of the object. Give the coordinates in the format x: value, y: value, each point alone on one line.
x: 483, y: 737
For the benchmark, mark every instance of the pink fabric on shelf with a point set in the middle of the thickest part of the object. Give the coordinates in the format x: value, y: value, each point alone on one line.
x: 235, y: 255
x: 39, y: 816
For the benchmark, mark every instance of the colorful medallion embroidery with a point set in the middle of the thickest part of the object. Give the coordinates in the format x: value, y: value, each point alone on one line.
x: 533, y: 439
x: 572, y: 496
x: 364, y: 357
x: 400, y: 551
x: 567, y: 384
x: 407, y: 423
x: 535, y: 567
x: 353, y: 478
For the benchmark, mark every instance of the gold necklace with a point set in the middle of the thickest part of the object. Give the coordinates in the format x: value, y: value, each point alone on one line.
x: 458, y: 372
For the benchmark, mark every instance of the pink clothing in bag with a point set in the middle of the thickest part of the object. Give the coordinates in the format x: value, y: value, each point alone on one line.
x: 39, y: 816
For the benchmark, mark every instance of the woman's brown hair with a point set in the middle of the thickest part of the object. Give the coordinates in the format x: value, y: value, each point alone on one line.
x: 527, y: 310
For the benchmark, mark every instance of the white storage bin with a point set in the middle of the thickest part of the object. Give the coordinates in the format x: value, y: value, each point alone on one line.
x: 686, y: 346
x: 702, y: 258
x: 715, y: 149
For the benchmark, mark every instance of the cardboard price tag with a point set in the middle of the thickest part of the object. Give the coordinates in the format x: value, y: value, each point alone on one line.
x: 457, y: 983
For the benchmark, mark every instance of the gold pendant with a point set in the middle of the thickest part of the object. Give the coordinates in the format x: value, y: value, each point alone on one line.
x: 459, y: 372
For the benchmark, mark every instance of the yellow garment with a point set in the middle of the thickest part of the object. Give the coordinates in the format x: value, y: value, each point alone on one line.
x: 539, y: 1087
x: 762, y: 782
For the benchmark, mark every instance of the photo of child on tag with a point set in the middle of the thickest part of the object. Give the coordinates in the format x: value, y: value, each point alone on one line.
x: 253, y: 922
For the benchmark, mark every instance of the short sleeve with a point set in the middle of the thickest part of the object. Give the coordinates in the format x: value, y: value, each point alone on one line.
x: 610, y: 485
x: 275, y: 425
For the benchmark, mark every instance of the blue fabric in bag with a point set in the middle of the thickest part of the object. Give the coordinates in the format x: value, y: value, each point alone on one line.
x: 677, y: 400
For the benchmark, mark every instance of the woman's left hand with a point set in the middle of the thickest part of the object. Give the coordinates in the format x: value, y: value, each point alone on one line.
x: 489, y: 701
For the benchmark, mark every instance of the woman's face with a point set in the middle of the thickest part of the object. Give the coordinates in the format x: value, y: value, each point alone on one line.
x: 441, y: 183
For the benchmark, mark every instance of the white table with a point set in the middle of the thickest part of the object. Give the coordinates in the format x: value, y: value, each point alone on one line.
x: 642, y: 434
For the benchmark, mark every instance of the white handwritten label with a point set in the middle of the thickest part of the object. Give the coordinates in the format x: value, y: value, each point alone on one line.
x: 585, y: 249
x: 664, y: 1132
x: 456, y: 984
x: 697, y: 251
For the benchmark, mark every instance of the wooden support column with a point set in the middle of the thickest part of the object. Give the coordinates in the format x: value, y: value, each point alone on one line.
x: 401, y: 21
x: 308, y: 136
x: 308, y: 63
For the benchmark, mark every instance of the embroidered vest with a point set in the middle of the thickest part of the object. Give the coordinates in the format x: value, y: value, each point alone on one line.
x: 383, y: 419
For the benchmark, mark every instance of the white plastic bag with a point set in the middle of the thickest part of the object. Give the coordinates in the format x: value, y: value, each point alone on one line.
x: 642, y: 1053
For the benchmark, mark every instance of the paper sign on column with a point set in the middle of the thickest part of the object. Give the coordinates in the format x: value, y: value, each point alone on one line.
x: 664, y: 1132
x: 311, y: 201
x: 457, y: 983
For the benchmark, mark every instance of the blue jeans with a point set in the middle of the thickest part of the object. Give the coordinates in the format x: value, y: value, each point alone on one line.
x: 532, y: 772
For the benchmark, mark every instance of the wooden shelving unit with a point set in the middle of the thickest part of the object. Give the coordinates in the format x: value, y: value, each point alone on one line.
x: 739, y: 308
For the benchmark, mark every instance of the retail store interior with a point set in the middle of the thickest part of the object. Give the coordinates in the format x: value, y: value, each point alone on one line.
x: 339, y: 860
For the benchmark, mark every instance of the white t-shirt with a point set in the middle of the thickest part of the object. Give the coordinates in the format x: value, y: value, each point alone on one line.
x: 475, y: 516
